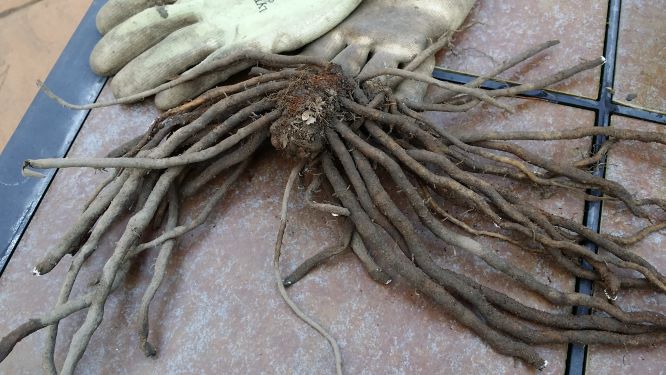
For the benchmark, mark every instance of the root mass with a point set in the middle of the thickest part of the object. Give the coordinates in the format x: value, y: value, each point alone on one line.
x: 351, y: 134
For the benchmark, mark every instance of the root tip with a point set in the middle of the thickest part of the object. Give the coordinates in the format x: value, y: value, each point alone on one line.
x: 27, y: 172
x: 149, y: 350
x: 542, y: 367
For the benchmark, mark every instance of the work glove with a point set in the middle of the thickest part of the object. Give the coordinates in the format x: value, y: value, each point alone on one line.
x: 389, y: 34
x: 378, y: 34
x: 147, y: 43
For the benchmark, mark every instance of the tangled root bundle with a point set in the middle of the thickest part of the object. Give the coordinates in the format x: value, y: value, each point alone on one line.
x: 356, y: 136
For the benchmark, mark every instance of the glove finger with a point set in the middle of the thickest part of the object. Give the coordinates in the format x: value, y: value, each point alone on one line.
x: 114, y: 12
x: 414, y: 90
x: 162, y: 62
x: 132, y: 37
x: 326, y: 47
x: 381, y: 59
x: 177, y: 95
x: 352, y: 58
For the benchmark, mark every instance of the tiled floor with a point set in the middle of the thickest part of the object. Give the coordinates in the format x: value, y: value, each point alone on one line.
x: 219, y: 305
x: 32, y: 35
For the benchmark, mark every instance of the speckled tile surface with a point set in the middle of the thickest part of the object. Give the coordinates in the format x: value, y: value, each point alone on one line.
x: 640, y: 73
x: 498, y: 30
x: 643, y: 169
x: 218, y: 311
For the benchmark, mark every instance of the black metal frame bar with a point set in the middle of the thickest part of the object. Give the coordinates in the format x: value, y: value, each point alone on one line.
x: 556, y: 97
x: 49, y: 130
x: 46, y: 130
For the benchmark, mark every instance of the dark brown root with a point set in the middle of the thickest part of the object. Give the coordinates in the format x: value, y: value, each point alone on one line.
x: 317, y: 259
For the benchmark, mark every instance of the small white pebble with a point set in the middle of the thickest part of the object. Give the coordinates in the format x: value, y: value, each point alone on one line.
x: 545, y: 364
x: 334, y: 214
x: 609, y: 296
x: 388, y: 282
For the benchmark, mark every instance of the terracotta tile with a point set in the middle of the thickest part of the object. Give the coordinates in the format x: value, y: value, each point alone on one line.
x: 498, y: 30
x: 640, y: 72
x: 218, y: 309
x: 642, y: 168
x: 31, y: 40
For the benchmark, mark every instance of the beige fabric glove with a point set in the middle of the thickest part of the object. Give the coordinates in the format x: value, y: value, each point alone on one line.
x: 378, y: 34
x: 389, y: 34
x: 146, y: 44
